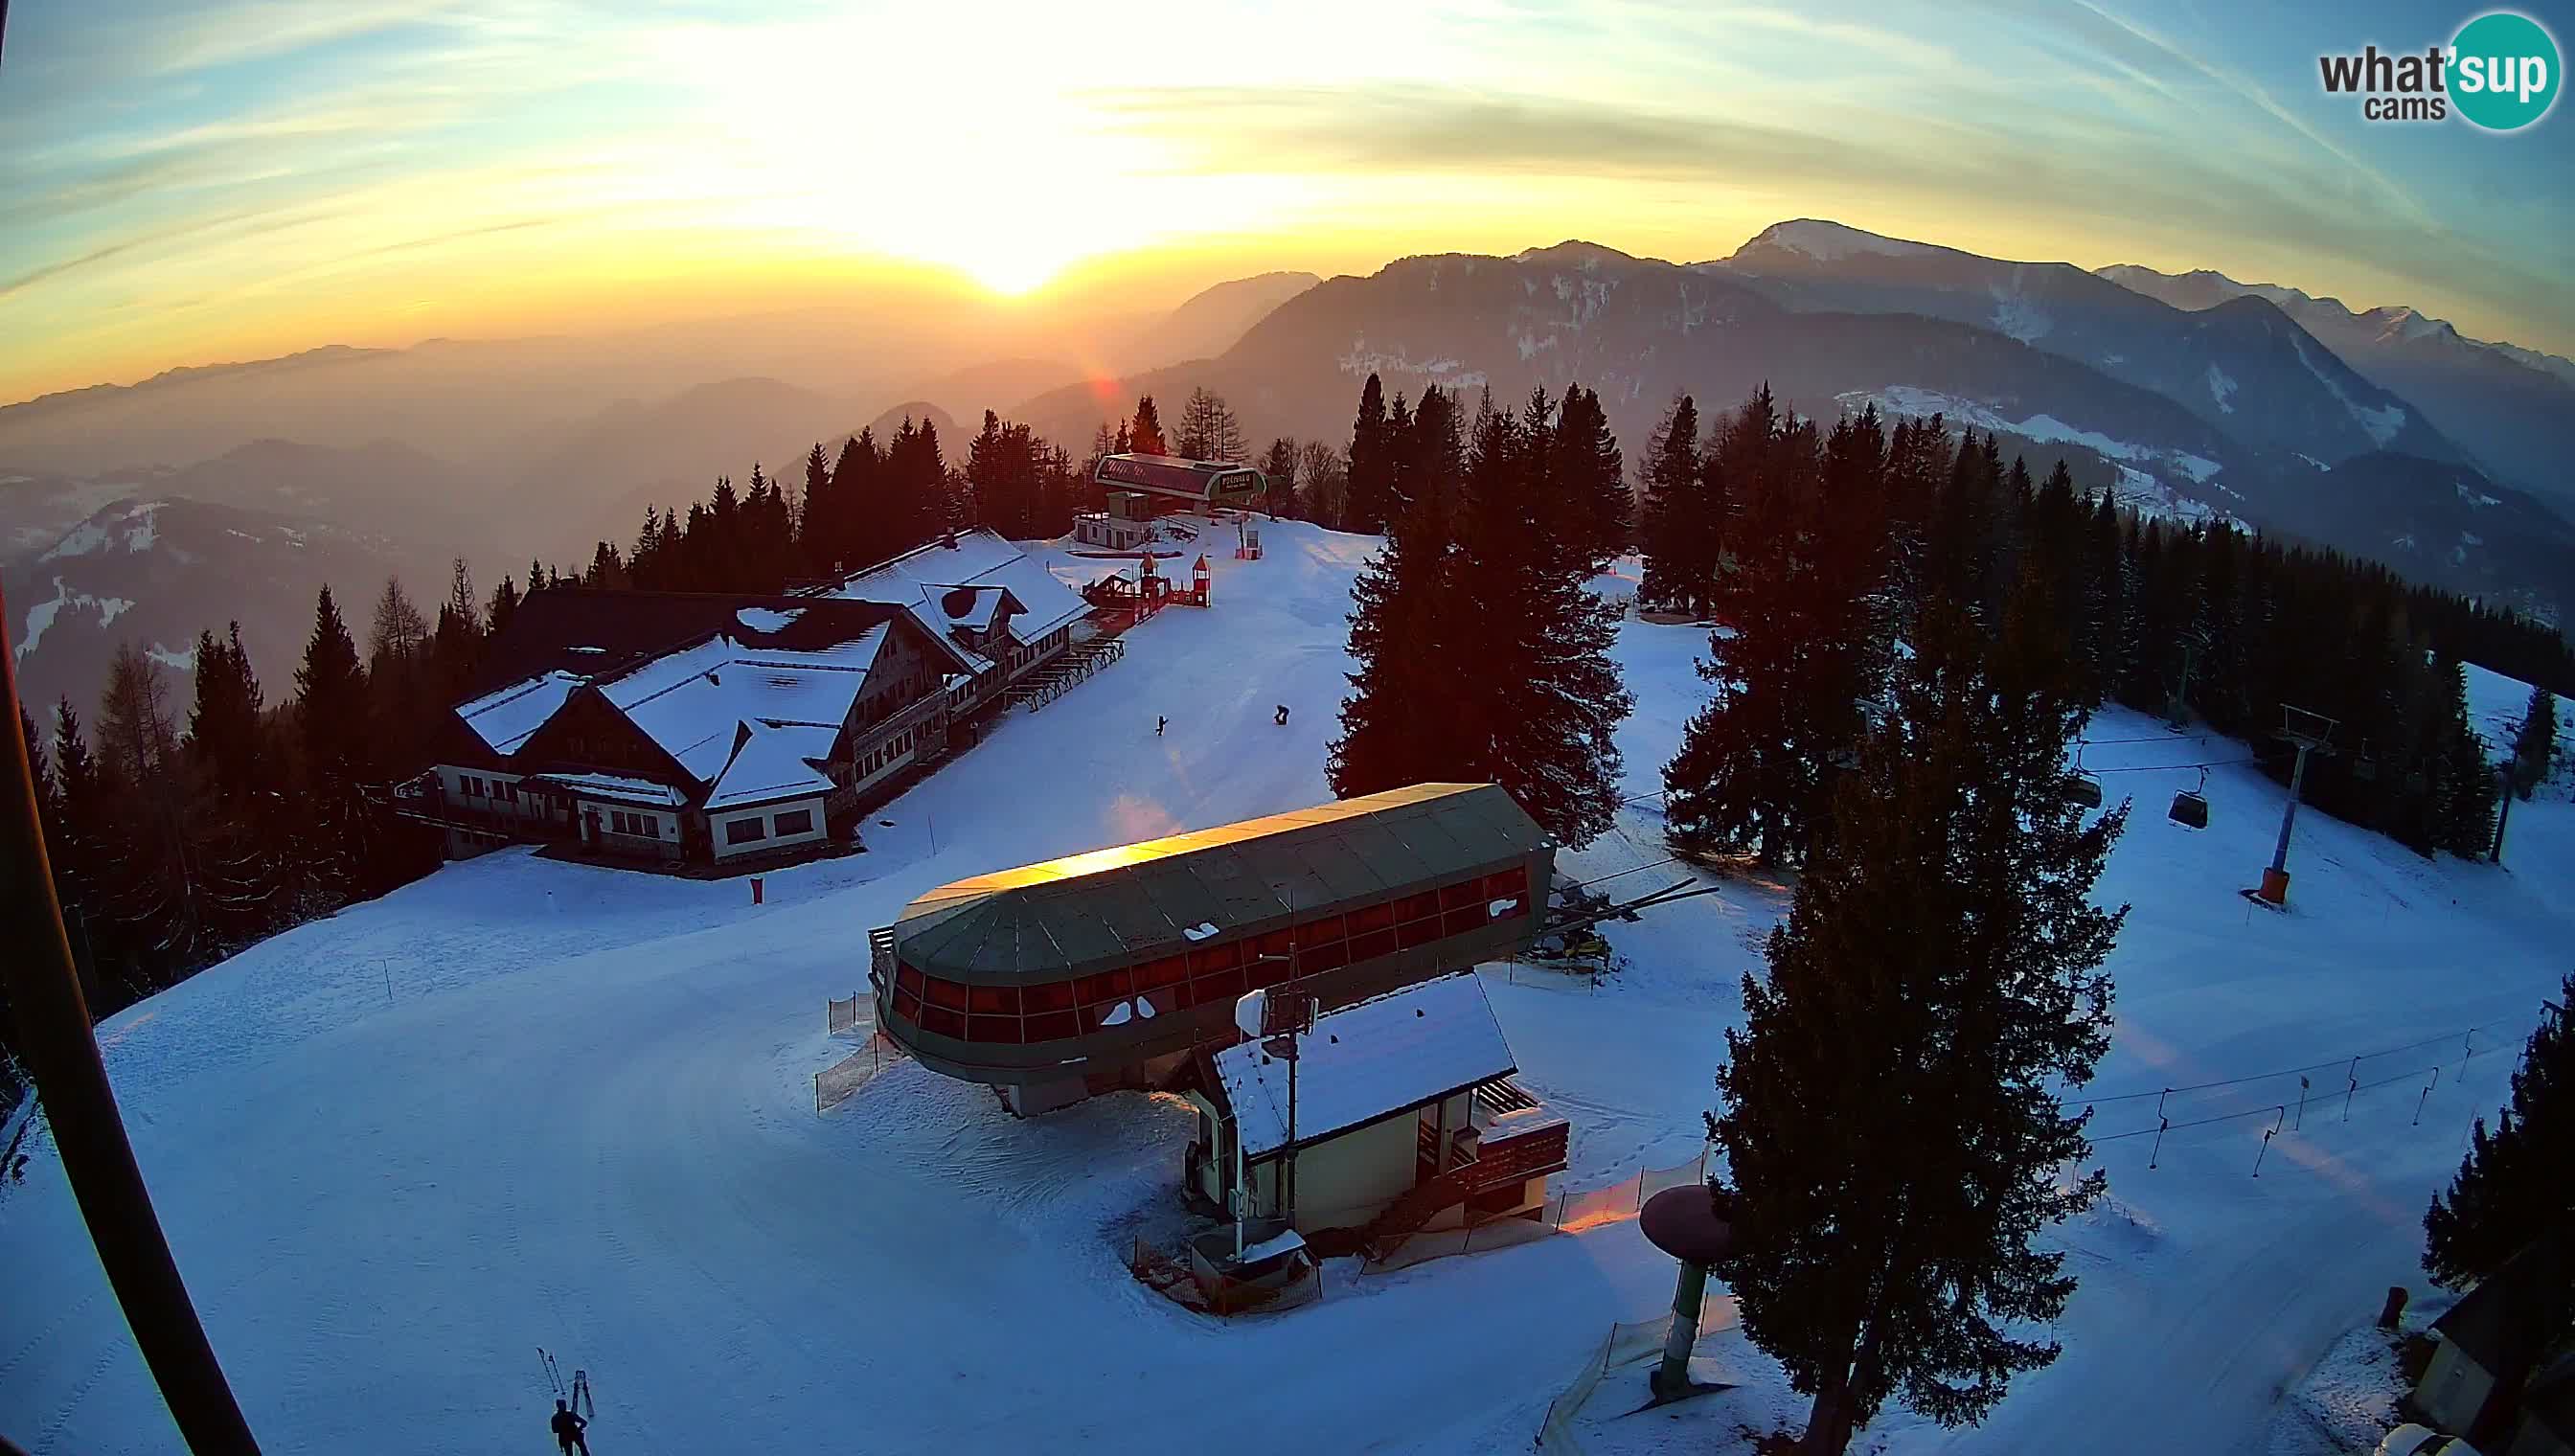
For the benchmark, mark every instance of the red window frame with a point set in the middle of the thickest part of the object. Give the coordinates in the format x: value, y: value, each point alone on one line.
x: 993, y: 1001
x: 940, y: 1021
x: 1049, y: 996
x: 1372, y: 945
x: 1051, y: 1026
x: 947, y: 995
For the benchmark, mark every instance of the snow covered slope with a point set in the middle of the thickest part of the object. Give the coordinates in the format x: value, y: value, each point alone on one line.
x: 526, y: 1103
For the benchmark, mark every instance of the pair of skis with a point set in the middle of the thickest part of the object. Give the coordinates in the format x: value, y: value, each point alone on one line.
x: 576, y: 1397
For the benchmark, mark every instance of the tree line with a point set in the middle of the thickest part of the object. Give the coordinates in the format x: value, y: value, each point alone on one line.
x: 1814, y: 548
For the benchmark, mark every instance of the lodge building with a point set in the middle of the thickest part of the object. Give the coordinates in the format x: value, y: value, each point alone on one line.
x: 661, y: 726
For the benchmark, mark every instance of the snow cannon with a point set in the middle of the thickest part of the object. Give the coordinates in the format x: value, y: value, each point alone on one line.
x: 1694, y: 1225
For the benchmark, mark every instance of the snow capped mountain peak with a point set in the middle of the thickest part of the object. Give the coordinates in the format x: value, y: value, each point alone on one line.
x: 2409, y: 324
x: 1828, y: 242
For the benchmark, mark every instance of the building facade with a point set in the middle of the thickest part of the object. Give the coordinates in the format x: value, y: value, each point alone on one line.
x: 664, y: 727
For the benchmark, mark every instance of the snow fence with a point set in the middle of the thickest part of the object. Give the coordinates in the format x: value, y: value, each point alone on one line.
x: 1625, y: 1344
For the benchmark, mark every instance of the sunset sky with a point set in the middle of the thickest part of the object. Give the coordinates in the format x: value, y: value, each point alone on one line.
x: 183, y: 181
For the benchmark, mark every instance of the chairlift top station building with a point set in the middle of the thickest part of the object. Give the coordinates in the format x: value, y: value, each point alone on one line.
x: 1105, y: 969
x: 1140, y: 488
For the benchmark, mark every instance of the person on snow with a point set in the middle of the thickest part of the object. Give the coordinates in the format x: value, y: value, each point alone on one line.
x: 568, y: 1428
x: 1282, y: 714
x: 1158, y: 725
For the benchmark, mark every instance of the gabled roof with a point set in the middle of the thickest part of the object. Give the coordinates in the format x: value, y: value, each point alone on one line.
x: 772, y: 764
x: 920, y: 579
x: 690, y: 701
x: 502, y: 718
x: 1115, y: 903
x: 592, y: 631
x: 687, y: 668
x: 624, y: 789
x: 1384, y: 1055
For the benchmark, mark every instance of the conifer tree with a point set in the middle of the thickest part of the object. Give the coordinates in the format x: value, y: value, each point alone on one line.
x: 1585, y: 510
x: 1280, y: 468
x: 2534, y: 744
x: 1798, y: 654
x: 1369, y: 498
x: 84, y: 850
x: 505, y: 606
x: 1404, y: 635
x: 1891, y: 1123
x: 1542, y: 707
x: 2512, y: 1187
x: 1144, y: 431
x: 1679, y: 539
x: 331, y: 708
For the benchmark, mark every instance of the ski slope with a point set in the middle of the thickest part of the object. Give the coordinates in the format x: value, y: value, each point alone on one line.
x: 524, y: 1103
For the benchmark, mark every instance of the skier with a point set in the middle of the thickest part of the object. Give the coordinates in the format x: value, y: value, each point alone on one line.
x: 1282, y: 714
x: 1158, y: 725
x: 568, y: 1428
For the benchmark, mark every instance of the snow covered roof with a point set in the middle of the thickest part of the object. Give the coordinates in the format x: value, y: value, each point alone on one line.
x: 590, y: 631
x: 1111, y: 904
x: 921, y: 580
x: 692, y: 701
x: 502, y: 718
x: 973, y: 607
x: 771, y: 765
x: 1383, y: 1055
x: 617, y: 786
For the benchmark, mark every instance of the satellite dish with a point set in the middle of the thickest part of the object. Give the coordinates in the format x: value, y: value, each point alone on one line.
x: 1248, y: 1012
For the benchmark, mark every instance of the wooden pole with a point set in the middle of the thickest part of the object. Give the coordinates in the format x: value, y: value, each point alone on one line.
x: 54, y: 1035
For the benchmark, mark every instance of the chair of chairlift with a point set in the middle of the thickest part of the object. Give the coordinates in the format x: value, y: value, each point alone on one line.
x: 2084, y: 790
x: 2190, y: 806
x: 2363, y: 766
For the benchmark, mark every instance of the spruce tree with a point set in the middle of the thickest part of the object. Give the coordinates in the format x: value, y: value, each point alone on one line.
x: 1585, y: 510
x: 1405, y: 635
x: 1280, y: 468
x: 2534, y: 744
x: 1681, y: 567
x: 2513, y: 1185
x: 331, y: 718
x: 1801, y: 641
x: 1144, y: 431
x: 505, y: 604
x: 1891, y: 1125
x: 1369, y: 498
x: 1540, y: 710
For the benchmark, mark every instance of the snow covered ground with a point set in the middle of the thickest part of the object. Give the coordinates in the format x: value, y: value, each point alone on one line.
x: 526, y: 1103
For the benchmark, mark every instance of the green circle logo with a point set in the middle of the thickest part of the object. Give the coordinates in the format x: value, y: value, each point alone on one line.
x: 2503, y: 71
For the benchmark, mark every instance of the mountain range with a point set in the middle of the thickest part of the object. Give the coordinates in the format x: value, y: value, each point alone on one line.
x: 2379, y: 432
x: 2511, y: 410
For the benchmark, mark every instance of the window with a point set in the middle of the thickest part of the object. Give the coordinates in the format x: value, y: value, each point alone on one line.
x: 472, y: 786
x: 743, y: 830
x: 798, y: 822
x: 648, y: 825
x: 616, y: 822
